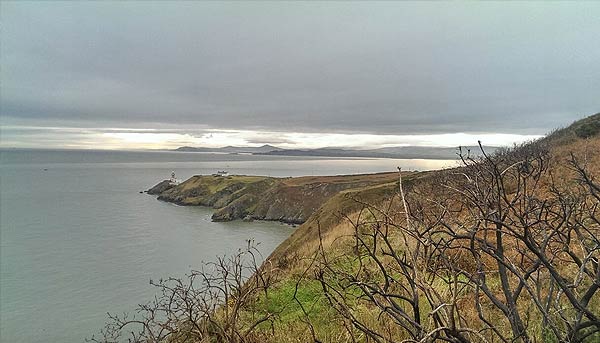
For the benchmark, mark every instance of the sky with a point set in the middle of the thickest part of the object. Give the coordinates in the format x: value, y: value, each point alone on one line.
x: 127, y: 75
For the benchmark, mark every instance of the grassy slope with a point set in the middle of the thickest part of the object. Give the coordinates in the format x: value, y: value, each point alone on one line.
x: 331, y: 222
x: 331, y: 218
x: 206, y: 190
x: 582, y: 138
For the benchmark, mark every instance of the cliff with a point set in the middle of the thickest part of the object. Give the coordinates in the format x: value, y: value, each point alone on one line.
x: 160, y: 187
x: 289, y: 200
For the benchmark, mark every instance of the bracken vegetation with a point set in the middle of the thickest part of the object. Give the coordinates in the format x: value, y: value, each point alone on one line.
x: 504, y: 248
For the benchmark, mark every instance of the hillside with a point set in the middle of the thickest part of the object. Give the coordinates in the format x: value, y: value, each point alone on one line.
x: 585, y: 128
x: 351, y: 262
x: 504, y: 248
x: 581, y: 138
x: 289, y: 200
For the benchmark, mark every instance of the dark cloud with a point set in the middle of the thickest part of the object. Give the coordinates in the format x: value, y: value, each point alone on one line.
x: 334, y: 67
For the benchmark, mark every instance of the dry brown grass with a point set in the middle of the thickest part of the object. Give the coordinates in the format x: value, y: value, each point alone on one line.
x: 331, y: 227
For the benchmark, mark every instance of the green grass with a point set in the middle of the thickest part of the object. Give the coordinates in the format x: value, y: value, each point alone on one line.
x: 291, y: 321
x: 217, y: 183
x: 584, y: 128
x: 309, y: 294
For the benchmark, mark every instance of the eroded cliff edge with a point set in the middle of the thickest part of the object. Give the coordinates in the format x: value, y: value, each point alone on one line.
x: 289, y: 200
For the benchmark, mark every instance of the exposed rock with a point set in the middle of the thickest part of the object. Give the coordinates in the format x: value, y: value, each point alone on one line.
x: 237, y: 209
x: 289, y: 200
x: 160, y: 187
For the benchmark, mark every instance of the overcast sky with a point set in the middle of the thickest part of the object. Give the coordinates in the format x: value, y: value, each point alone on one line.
x: 164, y: 74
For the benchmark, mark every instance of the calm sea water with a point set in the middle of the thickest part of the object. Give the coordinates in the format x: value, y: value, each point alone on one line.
x: 78, y: 240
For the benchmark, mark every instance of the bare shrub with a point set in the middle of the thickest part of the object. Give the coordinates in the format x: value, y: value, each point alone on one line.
x: 208, y: 305
x: 500, y: 245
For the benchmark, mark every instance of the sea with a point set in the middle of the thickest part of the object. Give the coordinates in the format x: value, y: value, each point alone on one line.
x: 79, y: 240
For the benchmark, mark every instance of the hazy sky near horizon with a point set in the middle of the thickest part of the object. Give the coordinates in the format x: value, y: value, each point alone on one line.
x: 294, y: 74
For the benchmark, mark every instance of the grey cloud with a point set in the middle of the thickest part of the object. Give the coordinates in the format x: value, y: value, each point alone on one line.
x: 335, y: 67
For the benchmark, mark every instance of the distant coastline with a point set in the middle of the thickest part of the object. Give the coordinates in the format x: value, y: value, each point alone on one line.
x: 402, y: 152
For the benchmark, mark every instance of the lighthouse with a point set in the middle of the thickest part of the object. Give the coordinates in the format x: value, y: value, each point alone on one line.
x: 173, y: 179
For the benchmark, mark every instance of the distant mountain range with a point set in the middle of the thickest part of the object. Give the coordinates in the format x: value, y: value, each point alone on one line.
x: 405, y: 152
x: 232, y: 149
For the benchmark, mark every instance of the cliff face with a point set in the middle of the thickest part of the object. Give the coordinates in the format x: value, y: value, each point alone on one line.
x: 290, y: 200
x: 160, y: 187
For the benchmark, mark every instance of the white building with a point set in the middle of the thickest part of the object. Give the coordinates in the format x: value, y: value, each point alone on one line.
x: 173, y: 180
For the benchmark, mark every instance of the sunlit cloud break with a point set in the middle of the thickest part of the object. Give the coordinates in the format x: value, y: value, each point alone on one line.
x: 119, y: 138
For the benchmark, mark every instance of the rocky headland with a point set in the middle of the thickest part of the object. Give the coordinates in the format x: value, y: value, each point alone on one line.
x: 289, y: 200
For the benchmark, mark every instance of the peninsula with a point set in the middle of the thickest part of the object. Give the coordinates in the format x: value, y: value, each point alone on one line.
x: 290, y: 200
